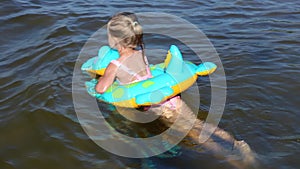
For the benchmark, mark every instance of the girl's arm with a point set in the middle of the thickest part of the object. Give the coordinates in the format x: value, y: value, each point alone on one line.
x: 107, y: 79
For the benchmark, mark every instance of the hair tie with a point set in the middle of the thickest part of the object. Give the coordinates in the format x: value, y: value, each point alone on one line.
x: 134, y: 23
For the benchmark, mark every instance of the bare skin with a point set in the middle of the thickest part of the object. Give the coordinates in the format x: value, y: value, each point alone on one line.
x: 221, y: 144
x: 110, y: 73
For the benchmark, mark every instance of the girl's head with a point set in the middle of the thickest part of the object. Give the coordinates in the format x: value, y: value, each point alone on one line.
x: 124, y: 30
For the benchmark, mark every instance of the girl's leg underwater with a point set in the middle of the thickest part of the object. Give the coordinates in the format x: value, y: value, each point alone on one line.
x: 221, y: 143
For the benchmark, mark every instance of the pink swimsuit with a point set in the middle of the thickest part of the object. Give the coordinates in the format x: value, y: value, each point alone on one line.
x: 124, y: 73
x: 132, y: 73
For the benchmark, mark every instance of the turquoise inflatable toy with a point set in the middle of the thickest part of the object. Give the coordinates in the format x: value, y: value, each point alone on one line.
x: 169, y: 79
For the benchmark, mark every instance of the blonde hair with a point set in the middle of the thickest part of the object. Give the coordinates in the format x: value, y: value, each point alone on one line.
x: 124, y: 29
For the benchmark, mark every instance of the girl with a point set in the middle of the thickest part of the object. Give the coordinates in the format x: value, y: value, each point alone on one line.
x: 125, y: 34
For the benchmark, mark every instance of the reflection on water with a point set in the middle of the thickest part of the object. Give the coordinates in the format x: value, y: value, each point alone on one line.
x: 258, y: 43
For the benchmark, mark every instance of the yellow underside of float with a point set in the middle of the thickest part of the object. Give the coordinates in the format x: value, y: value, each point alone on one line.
x: 206, y: 72
x: 93, y: 73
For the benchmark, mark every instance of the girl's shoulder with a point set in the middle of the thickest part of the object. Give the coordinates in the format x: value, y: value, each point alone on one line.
x: 135, y: 58
x: 137, y: 52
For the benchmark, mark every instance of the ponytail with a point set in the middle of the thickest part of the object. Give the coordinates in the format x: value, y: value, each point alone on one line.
x: 126, y: 30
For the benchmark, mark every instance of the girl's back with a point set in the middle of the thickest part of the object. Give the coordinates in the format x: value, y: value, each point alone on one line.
x: 132, y: 68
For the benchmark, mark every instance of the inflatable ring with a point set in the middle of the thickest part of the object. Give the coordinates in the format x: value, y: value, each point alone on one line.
x: 169, y: 79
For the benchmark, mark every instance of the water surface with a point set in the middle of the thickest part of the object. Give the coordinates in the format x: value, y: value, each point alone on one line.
x: 258, y: 43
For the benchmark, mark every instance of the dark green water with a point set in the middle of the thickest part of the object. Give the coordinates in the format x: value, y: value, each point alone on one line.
x: 258, y: 43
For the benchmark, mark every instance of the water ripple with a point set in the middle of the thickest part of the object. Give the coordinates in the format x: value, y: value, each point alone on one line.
x: 257, y: 41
